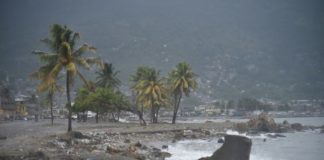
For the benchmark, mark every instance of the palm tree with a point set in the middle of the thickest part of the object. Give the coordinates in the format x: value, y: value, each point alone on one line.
x: 65, y: 57
x: 182, y: 81
x: 151, y: 92
x: 107, y: 77
x: 142, y: 73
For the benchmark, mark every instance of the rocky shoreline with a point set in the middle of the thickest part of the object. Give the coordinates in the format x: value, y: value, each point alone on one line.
x: 127, y: 141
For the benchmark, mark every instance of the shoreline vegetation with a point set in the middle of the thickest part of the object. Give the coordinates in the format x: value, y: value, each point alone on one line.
x: 112, y: 140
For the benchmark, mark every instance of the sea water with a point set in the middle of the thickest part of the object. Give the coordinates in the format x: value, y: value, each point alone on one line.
x: 307, y: 145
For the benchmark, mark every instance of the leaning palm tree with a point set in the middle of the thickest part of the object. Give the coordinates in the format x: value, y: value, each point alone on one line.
x: 107, y: 77
x: 65, y: 58
x: 151, y: 93
x: 182, y: 81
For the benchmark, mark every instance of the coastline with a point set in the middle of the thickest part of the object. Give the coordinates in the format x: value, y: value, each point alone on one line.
x: 106, y: 140
x: 24, y: 138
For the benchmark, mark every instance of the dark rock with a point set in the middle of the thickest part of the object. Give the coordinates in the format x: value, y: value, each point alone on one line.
x: 322, y: 131
x: 3, y: 137
x: 234, y: 148
x: 138, y: 144
x: 77, y: 135
x: 285, y: 122
x: 220, y: 140
x: 112, y: 150
x: 156, y: 149
x: 165, y: 146
x: 162, y: 155
x: 127, y: 141
x: 207, y: 133
x: 297, y: 126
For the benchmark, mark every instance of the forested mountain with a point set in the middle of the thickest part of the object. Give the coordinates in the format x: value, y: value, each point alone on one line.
x: 260, y: 48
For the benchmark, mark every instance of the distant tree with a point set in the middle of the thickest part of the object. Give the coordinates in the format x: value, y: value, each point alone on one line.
x: 80, y: 104
x: 5, y: 93
x: 65, y: 57
x: 151, y: 91
x: 107, y: 77
x: 251, y: 104
x: 182, y: 81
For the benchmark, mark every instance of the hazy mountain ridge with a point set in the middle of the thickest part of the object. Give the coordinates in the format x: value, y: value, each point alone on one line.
x: 248, y: 48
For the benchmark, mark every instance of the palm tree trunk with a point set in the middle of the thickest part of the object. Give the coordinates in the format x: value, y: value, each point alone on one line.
x: 51, y: 103
x: 68, y: 101
x: 84, y: 117
x: 157, y: 114
x: 140, y: 115
x: 176, y: 107
x: 152, y: 114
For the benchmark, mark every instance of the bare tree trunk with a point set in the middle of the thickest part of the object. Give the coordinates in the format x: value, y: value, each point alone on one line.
x: 68, y: 101
x: 176, y: 107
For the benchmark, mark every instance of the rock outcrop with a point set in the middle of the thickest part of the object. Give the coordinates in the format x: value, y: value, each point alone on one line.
x: 234, y: 148
x: 262, y: 123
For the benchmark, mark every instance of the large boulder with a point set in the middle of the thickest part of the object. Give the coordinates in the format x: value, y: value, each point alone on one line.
x: 262, y: 123
x: 234, y: 148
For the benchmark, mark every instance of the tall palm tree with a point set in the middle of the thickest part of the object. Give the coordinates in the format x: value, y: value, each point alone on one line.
x: 65, y: 57
x: 107, y: 77
x: 182, y: 81
x: 151, y: 92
